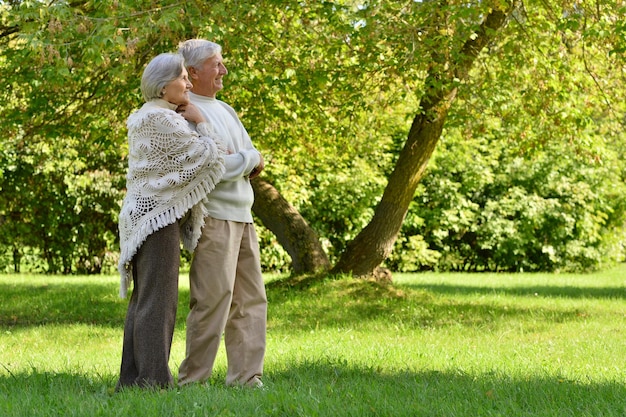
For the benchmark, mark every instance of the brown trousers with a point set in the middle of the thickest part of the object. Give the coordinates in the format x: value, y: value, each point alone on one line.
x: 151, y: 316
x: 227, y: 296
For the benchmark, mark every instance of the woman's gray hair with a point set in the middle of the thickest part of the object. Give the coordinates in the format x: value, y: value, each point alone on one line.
x: 162, y: 70
x: 196, y: 51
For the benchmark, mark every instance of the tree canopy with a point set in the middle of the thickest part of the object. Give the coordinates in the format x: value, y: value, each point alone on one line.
x: 519, y: 104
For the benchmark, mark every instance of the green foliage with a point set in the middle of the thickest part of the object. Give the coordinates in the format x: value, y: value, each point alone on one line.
x: 274, y: 258
x: 483, y: 208
x: 529, y: 174
x: 65, y: 213
x: 327, y: 90
x: 341, y: 205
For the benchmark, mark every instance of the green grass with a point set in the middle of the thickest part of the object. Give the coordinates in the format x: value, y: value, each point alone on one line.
x: 429, y: 345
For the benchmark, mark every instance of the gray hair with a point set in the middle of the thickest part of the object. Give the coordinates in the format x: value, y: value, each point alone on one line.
x: 196, y: 51
x: 162, y: 70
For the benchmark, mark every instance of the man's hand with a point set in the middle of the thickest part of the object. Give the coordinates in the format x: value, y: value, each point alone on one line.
x: 257, y: 170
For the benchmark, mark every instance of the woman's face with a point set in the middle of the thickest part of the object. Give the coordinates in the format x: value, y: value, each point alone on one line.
x: 176, y: 91
x: 207, y: 77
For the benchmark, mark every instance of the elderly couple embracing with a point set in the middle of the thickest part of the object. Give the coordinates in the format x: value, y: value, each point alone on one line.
x: 190, y: 163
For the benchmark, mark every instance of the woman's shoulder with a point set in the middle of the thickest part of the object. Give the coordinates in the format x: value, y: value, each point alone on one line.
x: 154, y: 115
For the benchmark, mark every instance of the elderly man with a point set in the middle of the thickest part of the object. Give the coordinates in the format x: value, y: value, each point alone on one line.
x: 227, y: 290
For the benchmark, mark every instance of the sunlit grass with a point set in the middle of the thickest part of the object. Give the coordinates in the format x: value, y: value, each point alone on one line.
x: 431, y: 344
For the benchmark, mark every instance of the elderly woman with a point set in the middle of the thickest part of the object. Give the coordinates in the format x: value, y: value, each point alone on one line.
x: 171, y: 169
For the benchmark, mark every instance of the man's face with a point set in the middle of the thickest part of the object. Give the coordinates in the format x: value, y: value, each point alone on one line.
x: 207, y: 78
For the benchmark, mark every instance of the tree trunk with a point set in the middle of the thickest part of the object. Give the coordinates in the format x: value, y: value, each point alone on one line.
x: 292, y: 231
x: 375, y: 242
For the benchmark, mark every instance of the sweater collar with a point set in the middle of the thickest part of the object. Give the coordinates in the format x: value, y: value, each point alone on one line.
x: 200, y: 98
x: 159, y: 102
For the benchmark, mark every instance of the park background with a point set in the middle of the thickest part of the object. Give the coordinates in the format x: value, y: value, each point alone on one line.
x: 411, y: 135
x: 465, y: 158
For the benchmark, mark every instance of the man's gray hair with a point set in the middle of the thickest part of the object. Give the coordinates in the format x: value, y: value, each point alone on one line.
x: 196, y: 51
x: 162, y: 70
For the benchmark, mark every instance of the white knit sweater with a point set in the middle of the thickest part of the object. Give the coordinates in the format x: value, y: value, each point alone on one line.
x: 233, y: 196
x: 171, y: 169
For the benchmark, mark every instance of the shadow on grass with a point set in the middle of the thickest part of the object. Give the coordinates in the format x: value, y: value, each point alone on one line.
x: 67, y: 303
x: 48, y: 394
x: 33, y: 305
x: 574, y: 292
x: 329, y: 303
x: 324, y: 387
x: 354, y: 303
x: 359, y: 391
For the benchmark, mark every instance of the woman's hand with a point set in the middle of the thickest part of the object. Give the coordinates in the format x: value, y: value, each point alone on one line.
x: 190, y: 113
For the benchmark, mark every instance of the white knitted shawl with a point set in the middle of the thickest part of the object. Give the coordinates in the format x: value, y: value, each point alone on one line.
x: 171, y: 169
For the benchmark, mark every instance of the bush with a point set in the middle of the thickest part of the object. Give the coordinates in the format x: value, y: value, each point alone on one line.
x: 483, y: 208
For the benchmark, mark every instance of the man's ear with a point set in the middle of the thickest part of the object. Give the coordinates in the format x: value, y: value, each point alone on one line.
x: 192, y: 72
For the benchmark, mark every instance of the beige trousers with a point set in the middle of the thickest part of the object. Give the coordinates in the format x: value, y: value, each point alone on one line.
x: 227, y: 295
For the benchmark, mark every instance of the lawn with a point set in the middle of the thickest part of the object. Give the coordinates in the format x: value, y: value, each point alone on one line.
x: 429, y: 345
